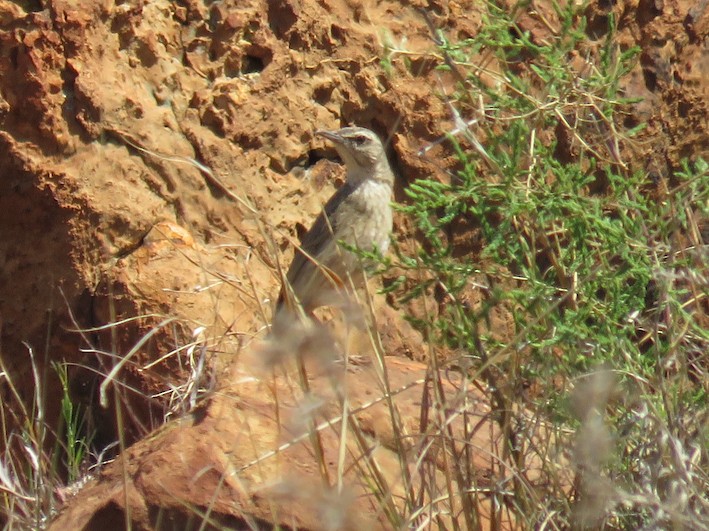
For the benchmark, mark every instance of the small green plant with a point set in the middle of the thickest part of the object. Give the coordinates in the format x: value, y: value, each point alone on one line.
x: 31, y: 477
x: 73, y: 437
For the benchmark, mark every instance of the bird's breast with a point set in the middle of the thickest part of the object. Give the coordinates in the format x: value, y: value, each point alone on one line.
x: 366, y: 219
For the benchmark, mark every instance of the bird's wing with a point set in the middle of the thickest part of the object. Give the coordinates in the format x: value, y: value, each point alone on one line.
x: 320, y: 234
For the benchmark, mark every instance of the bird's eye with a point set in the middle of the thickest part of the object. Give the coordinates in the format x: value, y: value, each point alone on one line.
x: 360, y: 140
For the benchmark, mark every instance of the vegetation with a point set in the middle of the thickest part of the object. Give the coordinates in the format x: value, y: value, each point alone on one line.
x: 604, y: 282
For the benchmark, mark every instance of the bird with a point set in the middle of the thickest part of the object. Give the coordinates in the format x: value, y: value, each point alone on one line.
x: 359, y: 215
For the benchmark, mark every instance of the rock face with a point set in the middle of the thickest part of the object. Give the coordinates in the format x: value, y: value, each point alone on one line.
x: 110, y: 116
x: 157, y: 158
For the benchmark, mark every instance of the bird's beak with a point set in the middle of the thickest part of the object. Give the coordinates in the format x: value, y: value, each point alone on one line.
x: 330, y: 135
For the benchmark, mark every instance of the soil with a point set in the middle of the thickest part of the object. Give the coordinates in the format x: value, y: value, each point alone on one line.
x: 158, y: 159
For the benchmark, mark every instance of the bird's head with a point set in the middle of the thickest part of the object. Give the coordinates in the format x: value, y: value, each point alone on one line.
x: 361, y: 151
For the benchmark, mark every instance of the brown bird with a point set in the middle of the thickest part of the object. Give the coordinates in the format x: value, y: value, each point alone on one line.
x: 358, y: 214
